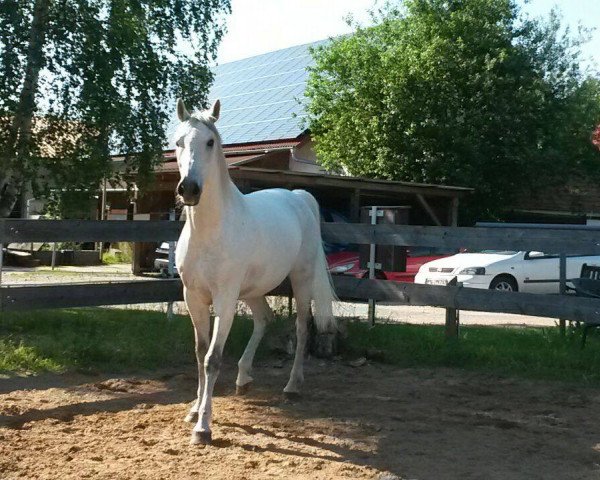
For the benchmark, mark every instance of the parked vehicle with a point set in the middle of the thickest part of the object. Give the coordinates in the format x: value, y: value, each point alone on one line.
x: 532, y: 272
x: 161, y: 262
x: 347, y: 263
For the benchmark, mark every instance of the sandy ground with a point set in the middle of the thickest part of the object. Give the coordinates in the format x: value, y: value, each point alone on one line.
x: 392, y: 313
x: 371, y: 422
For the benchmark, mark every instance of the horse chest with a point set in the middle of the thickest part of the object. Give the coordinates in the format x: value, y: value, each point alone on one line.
x: 206, y: 267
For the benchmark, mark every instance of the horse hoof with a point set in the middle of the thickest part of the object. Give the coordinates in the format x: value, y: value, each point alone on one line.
x: 201, y: 438
x: 292, y: 396
x: 243, y: 389
x: 191, y: 417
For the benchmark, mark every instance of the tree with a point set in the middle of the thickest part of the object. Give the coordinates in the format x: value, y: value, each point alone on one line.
x: 83, y: 79
x: 460, y: 92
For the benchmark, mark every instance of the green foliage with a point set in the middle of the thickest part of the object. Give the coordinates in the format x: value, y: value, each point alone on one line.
x: 100, y: 78
x: 71, y: 204
x: 112, y: 258
x: 466, y: 93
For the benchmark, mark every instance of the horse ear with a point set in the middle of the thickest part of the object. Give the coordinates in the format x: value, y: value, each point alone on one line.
x: 182, y: 112
x: 215, y: 110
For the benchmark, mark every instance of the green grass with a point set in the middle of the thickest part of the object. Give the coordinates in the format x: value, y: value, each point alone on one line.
x: 123, y: 254
x: 101, y: 339
x: 541, y: 353
x: 126, y: 340
x: 111, y: 258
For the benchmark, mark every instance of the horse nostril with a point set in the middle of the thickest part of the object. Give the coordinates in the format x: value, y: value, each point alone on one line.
x: 180, y: 189
x: 195, y: 189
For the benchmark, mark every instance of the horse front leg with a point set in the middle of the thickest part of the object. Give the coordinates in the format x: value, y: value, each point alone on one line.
x: 224, y: 311
x: 200, y: 313
x: 261, y: 313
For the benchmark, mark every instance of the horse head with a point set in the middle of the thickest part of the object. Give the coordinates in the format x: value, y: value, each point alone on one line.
x: 198, y: 149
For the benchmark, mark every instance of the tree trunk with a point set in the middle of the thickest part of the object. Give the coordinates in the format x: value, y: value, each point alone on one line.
x: 16, y: 158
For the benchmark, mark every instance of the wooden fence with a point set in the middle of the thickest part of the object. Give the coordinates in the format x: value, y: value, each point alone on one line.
x: 450, y: 297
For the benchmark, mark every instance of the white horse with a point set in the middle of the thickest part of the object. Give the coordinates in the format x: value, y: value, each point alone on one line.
x: 236, y: 246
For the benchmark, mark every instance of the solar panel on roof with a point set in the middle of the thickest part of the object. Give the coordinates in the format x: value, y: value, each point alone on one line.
x: 260, y: 95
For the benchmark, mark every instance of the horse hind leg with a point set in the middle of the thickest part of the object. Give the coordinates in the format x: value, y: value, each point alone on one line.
x: 302, y: 291
x: 262, y: 314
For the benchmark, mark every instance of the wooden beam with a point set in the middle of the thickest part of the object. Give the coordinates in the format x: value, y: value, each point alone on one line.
x: 355, y: 206
x: 459, y: 298
x: 21, y: 231
x: 548, y: 240
x: 32, y: 297
x: 452, y: 315
x: 562, y: 268
x: 522, y: 238
x: 29, y: 297
x: 429, y: 210
x: 453, y: 218
x: 298, y: 179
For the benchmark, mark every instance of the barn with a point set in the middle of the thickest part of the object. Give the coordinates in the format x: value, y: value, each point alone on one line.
x: 266, y: 145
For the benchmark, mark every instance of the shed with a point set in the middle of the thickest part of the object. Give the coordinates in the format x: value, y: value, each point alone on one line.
x: 266, y: 145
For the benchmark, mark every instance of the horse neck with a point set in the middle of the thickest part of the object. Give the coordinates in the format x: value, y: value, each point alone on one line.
x: 219, y: 195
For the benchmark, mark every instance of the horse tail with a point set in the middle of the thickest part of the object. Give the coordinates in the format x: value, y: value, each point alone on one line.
x: 323, y: 293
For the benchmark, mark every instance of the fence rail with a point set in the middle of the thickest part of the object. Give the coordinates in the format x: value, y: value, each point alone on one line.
x: 29, y: 297
x: 525, y: 238
x: 452, y: 297
x: 23, y: 231
x: 548, y: 240
x: 68, y: 295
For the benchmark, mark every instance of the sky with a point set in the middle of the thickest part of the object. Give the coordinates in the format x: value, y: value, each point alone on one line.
x: 259, y: 26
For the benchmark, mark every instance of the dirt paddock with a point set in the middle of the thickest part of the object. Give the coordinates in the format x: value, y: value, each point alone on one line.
x: 370, y: 422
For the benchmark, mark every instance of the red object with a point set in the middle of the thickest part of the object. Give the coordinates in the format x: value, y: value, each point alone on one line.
x: 596, y: 137
x: 341, y: 259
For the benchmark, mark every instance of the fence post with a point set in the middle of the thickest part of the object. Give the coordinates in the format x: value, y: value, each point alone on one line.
x: 1, y: 260
x: 374, y: 213
x: 171, y: 265
x: 562, y: 323
x: 452, y: 316
x: 53, y: 264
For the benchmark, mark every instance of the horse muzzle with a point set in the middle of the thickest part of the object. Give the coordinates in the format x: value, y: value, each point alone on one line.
x: 190, y: 191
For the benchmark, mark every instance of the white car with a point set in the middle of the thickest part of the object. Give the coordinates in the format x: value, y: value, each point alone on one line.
x: 532, y: 272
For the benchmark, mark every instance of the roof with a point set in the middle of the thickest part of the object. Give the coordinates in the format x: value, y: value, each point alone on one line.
x: 252, y: 149
x: 305, y: 179
x: 261, y: 96
x: 283, y: 177
x: 170, y: 164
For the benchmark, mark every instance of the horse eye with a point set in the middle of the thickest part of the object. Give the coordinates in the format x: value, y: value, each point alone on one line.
x: 211, y: 142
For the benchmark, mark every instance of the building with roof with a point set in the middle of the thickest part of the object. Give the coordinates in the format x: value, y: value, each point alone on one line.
x: 266, y: 145
x: 262, y: 111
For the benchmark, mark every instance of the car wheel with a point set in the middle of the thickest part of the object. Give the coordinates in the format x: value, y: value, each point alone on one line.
x: 504, y: 283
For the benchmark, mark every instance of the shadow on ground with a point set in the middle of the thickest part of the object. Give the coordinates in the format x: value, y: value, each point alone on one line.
x: 350, y: 423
